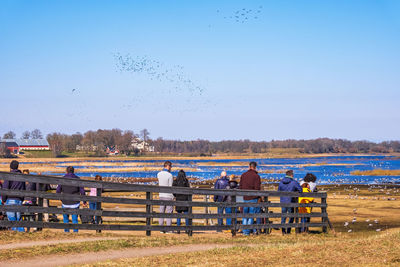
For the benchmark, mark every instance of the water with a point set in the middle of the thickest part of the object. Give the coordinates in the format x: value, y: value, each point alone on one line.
x: 329, y: 170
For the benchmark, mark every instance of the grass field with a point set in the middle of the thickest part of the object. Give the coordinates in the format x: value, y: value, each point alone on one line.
x: 364, y: 245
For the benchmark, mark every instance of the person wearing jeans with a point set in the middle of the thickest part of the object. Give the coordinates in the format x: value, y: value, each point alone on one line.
x: 14, y: 200
x: 221, y: 183
x: 165, y: 179
x: 71, y: 204
x: 288, y: 184
x: 250, y: 180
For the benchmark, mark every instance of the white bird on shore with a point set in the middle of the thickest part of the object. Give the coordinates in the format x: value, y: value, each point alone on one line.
x: 355, y: 210
x: 376, y: 221
x: 354, y: 220
x: 378, y: 230
x: 346, y: 224
x: 370, y: 225
x: 367, y: 220
x: 349, y: 231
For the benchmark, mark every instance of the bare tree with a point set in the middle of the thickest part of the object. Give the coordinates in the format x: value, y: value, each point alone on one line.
x: 9, y: 135
x: 36, y: 134
x: 145, y: 136
x: 26, y: 135
x: 56, y: 142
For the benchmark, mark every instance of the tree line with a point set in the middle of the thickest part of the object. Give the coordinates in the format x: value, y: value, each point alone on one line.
x: 97, y: 142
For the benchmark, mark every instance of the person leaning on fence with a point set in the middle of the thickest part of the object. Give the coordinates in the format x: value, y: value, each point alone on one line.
x: 250, y: 180
x: 181, y: 181
x: 14, y: 200
x: 232, y: 185
x: 311, y: 180
x: 71, y: 204
x: 165, y: 179
x: 305, y: 210
x: 288, y: 184
x: 93, y: 193
x: 221, y: 183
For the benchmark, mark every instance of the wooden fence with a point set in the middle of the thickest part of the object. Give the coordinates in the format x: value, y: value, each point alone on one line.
x: 145, y: 207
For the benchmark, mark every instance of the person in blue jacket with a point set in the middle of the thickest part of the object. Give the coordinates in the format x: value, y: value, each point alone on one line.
x: 221, y: 183
x: 288, y: 184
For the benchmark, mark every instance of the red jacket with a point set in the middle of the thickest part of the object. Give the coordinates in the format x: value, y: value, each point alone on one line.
x: 250, y: 180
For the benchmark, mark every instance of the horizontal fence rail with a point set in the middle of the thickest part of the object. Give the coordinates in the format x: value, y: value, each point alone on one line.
x: 146, y: 204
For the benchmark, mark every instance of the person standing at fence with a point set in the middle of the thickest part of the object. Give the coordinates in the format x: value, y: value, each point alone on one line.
x: 14, y: 200
x: 165, y: 179
x: 181, y: 181
x: 71, y: 204
x: 310, y: 179
x: 288, y: 184
x: 250, y: 180
x: 221, y: 183
x: 305, y: 210
x: 232, y: 185
x: 93, y: 193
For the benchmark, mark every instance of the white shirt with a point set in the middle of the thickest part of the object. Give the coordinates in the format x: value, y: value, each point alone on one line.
x: 165, y: 179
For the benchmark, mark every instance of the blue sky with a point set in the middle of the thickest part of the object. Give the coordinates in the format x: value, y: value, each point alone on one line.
x: 301, y: 69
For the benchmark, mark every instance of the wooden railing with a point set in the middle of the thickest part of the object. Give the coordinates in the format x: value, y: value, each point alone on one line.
x: 146, y: 203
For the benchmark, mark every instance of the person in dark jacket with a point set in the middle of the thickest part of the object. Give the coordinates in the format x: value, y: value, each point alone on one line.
x: 250, y: 180
x: 288, y: 184
x: 35, y: 187
x: 14, y: 200
x: 181, y: 181
x: 232, y: 185
x: 71, y: 204
x: 221, y: 183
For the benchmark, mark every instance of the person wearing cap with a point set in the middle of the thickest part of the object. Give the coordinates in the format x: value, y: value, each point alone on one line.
x: 221, y: 183
x: 14, y: 200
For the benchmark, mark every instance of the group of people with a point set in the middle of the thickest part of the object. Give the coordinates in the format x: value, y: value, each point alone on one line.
x: 250, y: 180
x: 31, y: 186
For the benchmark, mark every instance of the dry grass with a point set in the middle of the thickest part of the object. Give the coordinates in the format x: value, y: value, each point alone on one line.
x: 377, y: 172
x: 375, y: 250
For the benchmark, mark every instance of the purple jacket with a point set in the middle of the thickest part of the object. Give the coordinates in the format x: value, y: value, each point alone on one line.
x: 288, y: 184
x: 68, y: 189
x: 221, y: 183
x: 13, y: 185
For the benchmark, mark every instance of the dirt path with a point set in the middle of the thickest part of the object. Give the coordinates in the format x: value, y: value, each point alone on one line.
x: 54, y: 242
x: 92, y: 257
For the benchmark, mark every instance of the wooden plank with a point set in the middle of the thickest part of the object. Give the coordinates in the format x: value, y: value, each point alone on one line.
x: 324, y: 219
x: 135, y: 214
x: 126, y: 227
x: 150, y: 202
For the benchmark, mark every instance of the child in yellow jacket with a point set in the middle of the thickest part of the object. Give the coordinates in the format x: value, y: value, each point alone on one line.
x: 305, y: 200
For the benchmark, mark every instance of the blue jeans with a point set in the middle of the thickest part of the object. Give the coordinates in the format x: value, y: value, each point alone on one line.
x: 178, y: 220
x: 249, y: 210
x: 305, y: 220
x: 283, y: 220
x: 221, y: 211
x: 13, y: 216
x: 74, y: 220
x: 228, y: 210
x: 93, y: 206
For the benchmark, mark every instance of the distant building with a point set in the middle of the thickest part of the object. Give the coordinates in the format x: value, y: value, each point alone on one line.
x: 141, y: 145
x: 11, y: 146
x: 28, y: 144
x: 111, y: 151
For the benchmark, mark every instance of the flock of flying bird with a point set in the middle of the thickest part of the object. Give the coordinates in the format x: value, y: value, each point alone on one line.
x: 243, y: 15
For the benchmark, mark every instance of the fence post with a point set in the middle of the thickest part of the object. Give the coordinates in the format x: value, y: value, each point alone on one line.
x: 234, y: 219
x: 323, y: 210
x: 266, y: 219
x: 98, y: 207
x: 190, y: 212
x: 206, y: 209
x: 149, y: 196
x: 39, y: 204
x: 296, y: 212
